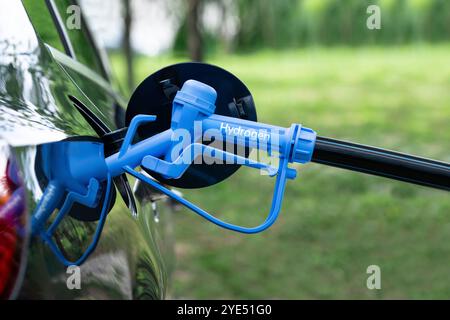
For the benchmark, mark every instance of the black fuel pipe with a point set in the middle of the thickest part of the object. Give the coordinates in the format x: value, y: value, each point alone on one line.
x: 381, y: 162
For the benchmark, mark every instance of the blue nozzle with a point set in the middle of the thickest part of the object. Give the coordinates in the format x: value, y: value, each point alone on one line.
x: 195, y: 102
x: 77, y: 170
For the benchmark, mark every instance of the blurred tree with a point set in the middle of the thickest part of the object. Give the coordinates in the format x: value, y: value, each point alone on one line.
x: 126, y: 42
x: 193, y: 37
x: 438, y: 20
x: 266, y: 23
x: 290, y: 23
x: 294, y: 23
x: 194, y: 34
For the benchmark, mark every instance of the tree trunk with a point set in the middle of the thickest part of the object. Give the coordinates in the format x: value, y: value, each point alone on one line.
x: 126, y: 42
x: 195, y: 44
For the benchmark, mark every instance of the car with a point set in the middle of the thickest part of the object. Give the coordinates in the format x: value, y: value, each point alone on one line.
x: 56, y: 87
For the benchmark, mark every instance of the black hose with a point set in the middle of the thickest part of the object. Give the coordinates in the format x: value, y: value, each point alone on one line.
x: 382, y: 163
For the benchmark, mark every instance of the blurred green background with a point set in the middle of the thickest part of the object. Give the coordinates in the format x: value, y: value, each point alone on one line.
x: 316, y: 63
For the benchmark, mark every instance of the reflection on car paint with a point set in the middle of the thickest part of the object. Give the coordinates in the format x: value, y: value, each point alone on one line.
x: 35, y: 109
x: 89, y: 199
x: 13, y: 223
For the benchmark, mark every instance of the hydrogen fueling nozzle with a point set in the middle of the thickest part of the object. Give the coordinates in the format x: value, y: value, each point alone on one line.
x: 195, y: 137
x: 77, y: 171
x: 172, y: 151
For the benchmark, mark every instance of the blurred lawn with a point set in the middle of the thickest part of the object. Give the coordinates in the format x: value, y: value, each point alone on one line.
x: 334, y: 223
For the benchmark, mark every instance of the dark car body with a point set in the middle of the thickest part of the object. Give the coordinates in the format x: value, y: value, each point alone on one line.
x: 44, y: 68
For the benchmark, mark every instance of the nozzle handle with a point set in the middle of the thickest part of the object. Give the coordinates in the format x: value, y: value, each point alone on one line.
x: 277, y: 200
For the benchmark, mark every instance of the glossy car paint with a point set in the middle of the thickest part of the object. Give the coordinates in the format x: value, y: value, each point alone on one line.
x: 37, y: 81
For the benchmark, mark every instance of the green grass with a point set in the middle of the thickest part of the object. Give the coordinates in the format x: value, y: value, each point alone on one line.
x: 334, y: 223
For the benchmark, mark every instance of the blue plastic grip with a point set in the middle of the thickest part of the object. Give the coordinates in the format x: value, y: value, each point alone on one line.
x: 271, y: 218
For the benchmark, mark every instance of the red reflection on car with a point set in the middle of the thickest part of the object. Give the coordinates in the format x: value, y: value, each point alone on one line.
x: 13, y: 218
